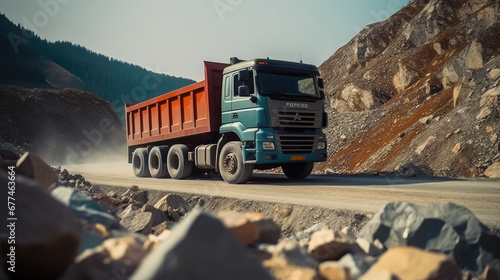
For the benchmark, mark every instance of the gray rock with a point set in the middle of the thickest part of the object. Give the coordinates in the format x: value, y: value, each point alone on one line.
x: 485, y: 111
x: 33, y: 167
x: 8, y: 155
x: 358, y: 264
x: 142, y: 196
x: 162, y: 227
x: 84, y: 207
x: 310, y: 230
x: 474, y: 59
x: 200, y: 247
x: 140, y: 222
x: 446, y: 228
x: 435, y: 18
x: 112, y: 194
x: 128, y: 210
x: 158, y: 215
x: 47, y: 233
x: 411, y: 170
x: 289, y: 252
x: 95, y: 190
x: 404, y: 78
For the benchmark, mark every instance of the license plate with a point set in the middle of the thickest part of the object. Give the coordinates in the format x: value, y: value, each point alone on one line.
x: 298, y: 157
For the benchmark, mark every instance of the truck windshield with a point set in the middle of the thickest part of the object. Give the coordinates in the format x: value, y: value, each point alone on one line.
x: 273, y: 83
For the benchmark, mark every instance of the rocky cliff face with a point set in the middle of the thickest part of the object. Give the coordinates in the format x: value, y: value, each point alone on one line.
x: 419, y: 89
x: 62, y: 126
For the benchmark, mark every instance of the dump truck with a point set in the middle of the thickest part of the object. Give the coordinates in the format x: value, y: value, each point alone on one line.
x: 246, y: 115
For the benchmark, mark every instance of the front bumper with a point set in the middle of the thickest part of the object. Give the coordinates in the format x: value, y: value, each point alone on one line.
x: 285, y: 149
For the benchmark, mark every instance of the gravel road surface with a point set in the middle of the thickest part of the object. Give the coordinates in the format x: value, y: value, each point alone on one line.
x: 358, y: 193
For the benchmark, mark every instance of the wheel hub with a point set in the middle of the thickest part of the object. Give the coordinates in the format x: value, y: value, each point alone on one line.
x: 230, y: 164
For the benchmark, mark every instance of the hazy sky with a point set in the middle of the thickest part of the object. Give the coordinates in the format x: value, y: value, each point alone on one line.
x: 175, y: 36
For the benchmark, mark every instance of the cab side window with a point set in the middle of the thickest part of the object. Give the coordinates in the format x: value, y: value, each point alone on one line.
x: 227, y: 87
x: 238, y: 83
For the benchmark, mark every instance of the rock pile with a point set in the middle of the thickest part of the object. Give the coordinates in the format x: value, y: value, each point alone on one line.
x: 83, y: 125
x: 91, y: 235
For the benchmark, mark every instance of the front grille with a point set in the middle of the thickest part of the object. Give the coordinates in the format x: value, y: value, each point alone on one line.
x: 295, y: 119
x: 296, y: 144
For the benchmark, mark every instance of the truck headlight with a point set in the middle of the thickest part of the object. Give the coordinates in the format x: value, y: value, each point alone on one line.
x: 268, y: 145
x: 321, y: 145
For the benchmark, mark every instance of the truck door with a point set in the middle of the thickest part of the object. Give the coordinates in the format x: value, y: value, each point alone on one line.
x: 243, y: 110
x: 227, y: 98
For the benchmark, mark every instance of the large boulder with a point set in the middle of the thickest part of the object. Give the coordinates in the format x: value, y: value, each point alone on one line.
x: 290, y: 253
x: 158, y: 215
x: 200, y: 247
x: 493, y: 171
x: 33, y: 167
x: 411, y: 263
x: 84, y: 207
x: 353, y: 98
x: 446, y: 228
x: 404, y: 78
x: 116, y: 258
x: 244, y: 230
x: 140, y: 222
x: 174, y: 205
x: 329, y: 245
x: 269, y: 231
x: 47, y: 233
x: 436, y: 17
x: 291, y: 261
x: 474, y: 57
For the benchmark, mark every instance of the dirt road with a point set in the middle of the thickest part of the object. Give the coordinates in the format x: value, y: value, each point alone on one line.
x: 359, y: 193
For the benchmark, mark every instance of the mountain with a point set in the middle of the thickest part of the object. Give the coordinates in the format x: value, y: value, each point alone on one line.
x: 28, y: 61
x: 418, y: 93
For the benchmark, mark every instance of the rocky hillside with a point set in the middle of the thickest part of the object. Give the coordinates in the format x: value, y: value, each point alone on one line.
x: 418, y: 93
x: 66, y: 125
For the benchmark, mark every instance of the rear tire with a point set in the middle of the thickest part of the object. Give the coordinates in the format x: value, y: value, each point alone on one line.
x: 158, y: 162
x: 178, y: 165
x: 231, y: 165
x: 140, y: 162
x: 298, y: 170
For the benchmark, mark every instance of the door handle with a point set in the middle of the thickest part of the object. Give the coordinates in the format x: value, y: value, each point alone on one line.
x: 235, y: 115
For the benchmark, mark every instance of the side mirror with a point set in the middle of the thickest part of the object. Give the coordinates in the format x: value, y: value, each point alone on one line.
x: 322, y: 94
x: 243, y: 76
x: 244, y: 91
x: 321, y: 83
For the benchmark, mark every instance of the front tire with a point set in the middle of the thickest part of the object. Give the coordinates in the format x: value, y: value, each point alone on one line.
x: 231, y: 165
x: 140, y: 162
x: 177, y: 162
x: 298, y: 170
x: 158, y: 162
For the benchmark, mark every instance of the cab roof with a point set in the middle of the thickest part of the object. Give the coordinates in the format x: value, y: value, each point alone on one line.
x: 272, y: 65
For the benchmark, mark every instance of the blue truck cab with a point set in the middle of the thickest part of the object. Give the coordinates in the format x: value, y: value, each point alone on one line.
x: 273, y: 110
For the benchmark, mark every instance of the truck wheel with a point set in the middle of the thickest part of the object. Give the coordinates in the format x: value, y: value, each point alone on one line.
x: 140, y: 162
x: 298, y: 170
x: 177, y: 162
x: 158, y: 162
x: 231, y: 166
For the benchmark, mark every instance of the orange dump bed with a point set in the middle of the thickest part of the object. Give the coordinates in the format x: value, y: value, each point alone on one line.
x: 190, y: 111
